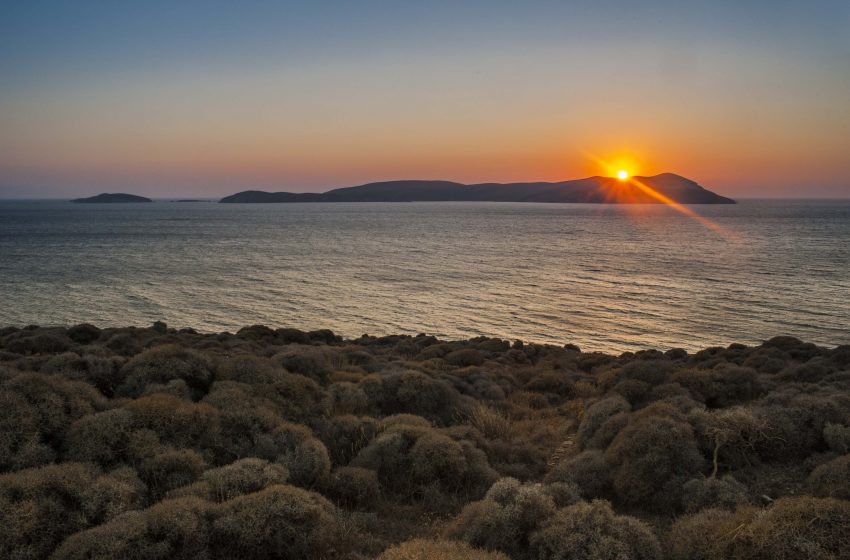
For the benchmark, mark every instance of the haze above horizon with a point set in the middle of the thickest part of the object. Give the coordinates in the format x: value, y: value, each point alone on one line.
x: 205, y: 99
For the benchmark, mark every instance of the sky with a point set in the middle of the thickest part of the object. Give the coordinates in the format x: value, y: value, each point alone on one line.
x: 750, y: 98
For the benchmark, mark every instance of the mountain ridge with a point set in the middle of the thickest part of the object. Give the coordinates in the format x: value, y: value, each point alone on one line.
x: 661, y: 188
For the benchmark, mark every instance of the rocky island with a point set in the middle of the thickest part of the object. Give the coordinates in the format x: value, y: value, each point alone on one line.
x: 107, y: 198
x: 657, y: 189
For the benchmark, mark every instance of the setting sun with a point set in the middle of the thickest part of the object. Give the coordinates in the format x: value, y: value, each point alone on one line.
x: 622, y: 174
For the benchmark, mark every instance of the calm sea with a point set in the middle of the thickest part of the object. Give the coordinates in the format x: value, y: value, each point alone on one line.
x: 607, y: 278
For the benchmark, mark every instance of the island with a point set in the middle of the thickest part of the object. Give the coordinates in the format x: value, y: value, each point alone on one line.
x: 658, y: 189
x: 111, y: 198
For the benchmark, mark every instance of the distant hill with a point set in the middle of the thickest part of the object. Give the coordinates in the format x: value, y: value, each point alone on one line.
x: 637, y: 190
x: 106, y: 198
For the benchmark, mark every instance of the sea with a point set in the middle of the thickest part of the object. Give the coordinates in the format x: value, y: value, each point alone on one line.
x: 611, y: 278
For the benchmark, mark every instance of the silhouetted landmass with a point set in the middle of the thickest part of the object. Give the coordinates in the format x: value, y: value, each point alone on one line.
x: 637, y: 190
x: 106, y: 198
x: 285, y: 444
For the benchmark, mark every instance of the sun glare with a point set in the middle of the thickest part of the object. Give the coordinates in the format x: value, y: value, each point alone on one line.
x: 622, y: 174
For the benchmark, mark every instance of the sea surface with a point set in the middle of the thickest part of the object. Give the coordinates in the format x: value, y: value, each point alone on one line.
x: 604, y: 277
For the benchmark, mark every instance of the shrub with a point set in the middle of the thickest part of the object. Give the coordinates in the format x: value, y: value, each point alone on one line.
x: 465, y: 357
x: 344, y: 436
x: 424, y: 549
x: 236, y: 479
x: 722, y: 386
x: 592, y: 531
x: 505, y: 519
x: 837, y: 437
x: 39, y: 507
x: 347, y: 398
x: 597, y: 414
x: 173, y: 529
x: 799, y: 527
x: 123, y: 343
x: 84, y: 333
x: 281, y: 522
x: 353, y: 487
x: 588, y: 471
x: 832, y: 479
x: 176, y: 421
x: 247, y: 368
x: 701, y: 493
x: 20, y: 434
x: 245, y: 422
x: 492, y: 423
x: 407, y: 459
x: 42, y: 409
x: 412, y: 392
x: 650, y: 460
x: 310, y: 361
x: 162, y: 364
x: 304, y: 456
x: 100, y: 438
x: 296, y: 398
x: 171, y: 469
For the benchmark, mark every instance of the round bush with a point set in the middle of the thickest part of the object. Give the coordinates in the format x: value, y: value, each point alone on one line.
x: 424, y: 549
x: 650, y: 459
x: 588, y: 471
x: 353, y: 487
x: 592, y: 531
x: 278, y: 523
x: 162, y: 364
x: 726, y: 492
x: 832, y: 479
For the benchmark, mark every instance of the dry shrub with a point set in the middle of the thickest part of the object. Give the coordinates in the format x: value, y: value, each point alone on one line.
x: 492, y: 423
x: 40, y: 507
x: 650, y: 459
x: 832, y: 479
x: 353, y: 487
x: 505, y: 519
x: 701, y: 493
x: 791, y: 528
x: 170, y: 469
x: 100, y: 438
x: 165, y: 363
x: 281, y: 523
x: 592, y: 531
x: 435, y: 549
x: 175, y: 421
x: 304, y: 456
x: 597, y: 414
x: 465, y: 357
x: 236, y: 479
x: 173, y: 529
x: 344, y: 436
x: 588, y: 471
x: 837, y: 437
x: 411, y: 459
x: 247, y: 368
x: 347, y: 398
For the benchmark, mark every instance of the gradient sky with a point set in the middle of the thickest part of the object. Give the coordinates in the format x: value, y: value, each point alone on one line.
x: 205, y: 98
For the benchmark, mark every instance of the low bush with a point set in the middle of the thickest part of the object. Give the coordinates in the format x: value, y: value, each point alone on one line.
x: 832, y: 479
x: 280, y: 522
x: 433, y: 549
x: 353, y: 487
x: 592, y: 531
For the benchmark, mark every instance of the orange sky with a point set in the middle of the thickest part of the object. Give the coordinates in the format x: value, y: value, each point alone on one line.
x: 757, y: 105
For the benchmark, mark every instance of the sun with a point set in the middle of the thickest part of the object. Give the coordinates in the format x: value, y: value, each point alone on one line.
x: 622, y: 174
